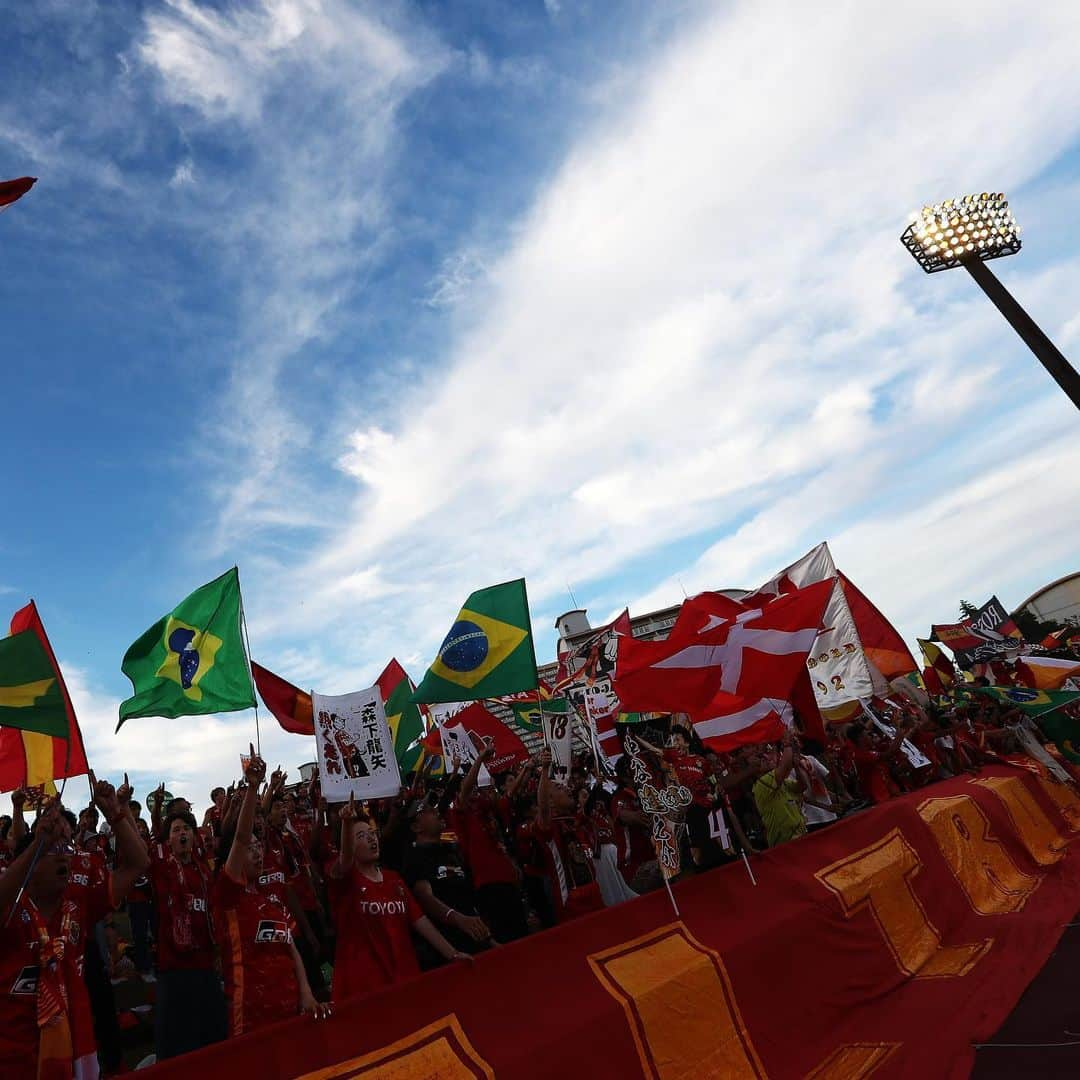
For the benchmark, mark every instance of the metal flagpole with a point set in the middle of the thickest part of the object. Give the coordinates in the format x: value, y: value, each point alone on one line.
x: 251, y: 674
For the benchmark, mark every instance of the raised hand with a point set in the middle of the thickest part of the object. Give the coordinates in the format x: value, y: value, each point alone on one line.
x: 255, y: 772
x: 124, y: 793
x: 105, y: 798
x: 349, y: 811
x: 19, y: 797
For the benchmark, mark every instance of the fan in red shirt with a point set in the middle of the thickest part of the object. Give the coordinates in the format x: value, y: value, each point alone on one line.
x: 48, y: 1027
x: 264, y: 975
x: 375, y: 913
x: 874, y: 778
x: 190, y: 1009
x: 633, y: 835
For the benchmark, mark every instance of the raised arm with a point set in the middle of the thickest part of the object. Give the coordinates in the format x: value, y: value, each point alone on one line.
x: 468, y: 785
x: 518, y: 781
x: 132, y: 858
x: 543, y: 794
x: 347, y: 851
x: 245, y: 822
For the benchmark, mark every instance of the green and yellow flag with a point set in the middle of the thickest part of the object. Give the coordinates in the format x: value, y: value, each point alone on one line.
x: 402, y: 716
x: 488, y: 652
x: 1031, y: 702
x: 30, y: 696
x: 192, y: 661
x: 528, y: 714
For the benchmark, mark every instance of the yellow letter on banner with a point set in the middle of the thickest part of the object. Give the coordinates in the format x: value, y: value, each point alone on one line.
x: 981, y: 863
x: 879, y: 878
x: 679, y: 1004
x: 1038, y: 833
x: 1065, y: 799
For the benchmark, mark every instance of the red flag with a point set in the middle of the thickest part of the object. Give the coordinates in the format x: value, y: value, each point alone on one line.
x: 10, y: 190
x: 760, y: 654
x: 28, y: 758
x: 432, y: 742
x: 1053, y: 641
x: 290, y: 705
x: 703, y: 613
x: 481, y: 726
x: 881, y: 642
x: 742, y: 723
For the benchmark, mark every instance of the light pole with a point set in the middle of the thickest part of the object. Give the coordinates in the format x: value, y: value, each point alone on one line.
x: 968, y: 232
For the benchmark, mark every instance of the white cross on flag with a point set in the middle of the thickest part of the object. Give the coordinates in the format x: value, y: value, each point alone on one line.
x: 757, y: 654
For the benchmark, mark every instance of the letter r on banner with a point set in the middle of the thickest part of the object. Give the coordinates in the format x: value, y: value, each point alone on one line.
x: 878, y: 878
x: 978, y: 859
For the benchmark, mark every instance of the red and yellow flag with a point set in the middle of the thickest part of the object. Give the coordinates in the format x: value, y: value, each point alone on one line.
x: 30, y: 758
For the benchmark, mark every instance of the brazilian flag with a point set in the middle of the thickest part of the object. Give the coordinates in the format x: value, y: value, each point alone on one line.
x: 402, y: 715
x: 30, y: 696
x: 192, y: 660
x: 1044, y: 706
x: 488, y: 652
x: 528, y: 714
x: 1031, y: 702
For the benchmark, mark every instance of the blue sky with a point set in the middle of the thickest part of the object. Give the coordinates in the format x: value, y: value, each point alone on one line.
x: 386, y: 302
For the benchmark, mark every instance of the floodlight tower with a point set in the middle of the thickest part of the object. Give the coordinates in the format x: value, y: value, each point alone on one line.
x: 968, y: 232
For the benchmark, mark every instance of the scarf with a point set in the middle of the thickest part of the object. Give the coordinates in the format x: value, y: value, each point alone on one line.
x: 54, y: 1027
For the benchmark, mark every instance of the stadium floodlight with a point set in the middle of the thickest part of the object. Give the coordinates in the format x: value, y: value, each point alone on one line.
x: 968, y: 232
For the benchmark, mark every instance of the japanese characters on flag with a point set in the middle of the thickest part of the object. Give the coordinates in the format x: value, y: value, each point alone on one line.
x: 355, y: 748
x: 456, y: 740
x: 558, y: 737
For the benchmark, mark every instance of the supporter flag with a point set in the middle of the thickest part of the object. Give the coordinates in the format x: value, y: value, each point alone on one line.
x: 759, y: 654
x: 1049, y: 673
x: 12, y: 190
x: 289, y: 705
x: 1064, y: 731
x: 1035, y: 703
x: 483, y: 726
x: 527, y: 714
x: 30, y: 696
x: 488, y: 652
x: 939, y: 675
x: 840, y: 672
x: 881, y: 641
x: 192, y: 660
x: 704, y: 612
x: 737, y: 722
x: 32, y: 758
x: 1053, y: 641
x: 987, y: 634
x: 596, y: 654
x: 403, y: 716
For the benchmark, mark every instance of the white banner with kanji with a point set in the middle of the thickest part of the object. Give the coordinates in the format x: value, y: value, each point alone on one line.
x: 355, y: 747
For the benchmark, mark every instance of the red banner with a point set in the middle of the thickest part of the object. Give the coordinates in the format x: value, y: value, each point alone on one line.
x: 885, y: 945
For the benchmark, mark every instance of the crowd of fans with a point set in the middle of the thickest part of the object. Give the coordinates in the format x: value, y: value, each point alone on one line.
x: 277, y: 903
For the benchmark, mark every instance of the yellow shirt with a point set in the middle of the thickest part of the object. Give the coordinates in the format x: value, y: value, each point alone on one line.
x: 779, y: 808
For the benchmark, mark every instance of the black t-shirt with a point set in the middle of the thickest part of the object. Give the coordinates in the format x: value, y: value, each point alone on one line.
x: 441, y: 867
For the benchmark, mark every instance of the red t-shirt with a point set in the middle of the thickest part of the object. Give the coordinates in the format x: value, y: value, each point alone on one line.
x: 692, y: 771
x: 284, y: 854
x: 634, y: 841
x: 874, y: 775
x: 477, y: 825
x: 20, y: 942
x: 374, y: 922
x: 256, y: 961
x: 569, y: 898
x: 185, y: 935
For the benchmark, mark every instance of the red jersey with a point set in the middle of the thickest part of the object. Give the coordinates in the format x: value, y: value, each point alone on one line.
x: 874, y: 777
x: 477, y: 825
x: 286, y: 857
x: 374, y: 921
x: 571, y: 897
x: 256, y: 958
x: 692, y: 771
x: 633, y: 841
x: 21, y: 943
x: 184, y: 931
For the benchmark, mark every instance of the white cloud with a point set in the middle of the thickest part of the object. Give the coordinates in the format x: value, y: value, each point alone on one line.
x: 705, y: 322
x: 302, y: 95
x: 184, y: 173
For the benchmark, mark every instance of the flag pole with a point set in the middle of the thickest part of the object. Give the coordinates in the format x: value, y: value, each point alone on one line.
x: 251, y: 674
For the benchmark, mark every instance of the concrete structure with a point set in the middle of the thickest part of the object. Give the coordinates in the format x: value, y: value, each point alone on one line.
x: 1056, y: 602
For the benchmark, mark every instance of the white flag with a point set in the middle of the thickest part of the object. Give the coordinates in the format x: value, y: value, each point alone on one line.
x: 356, y: 750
